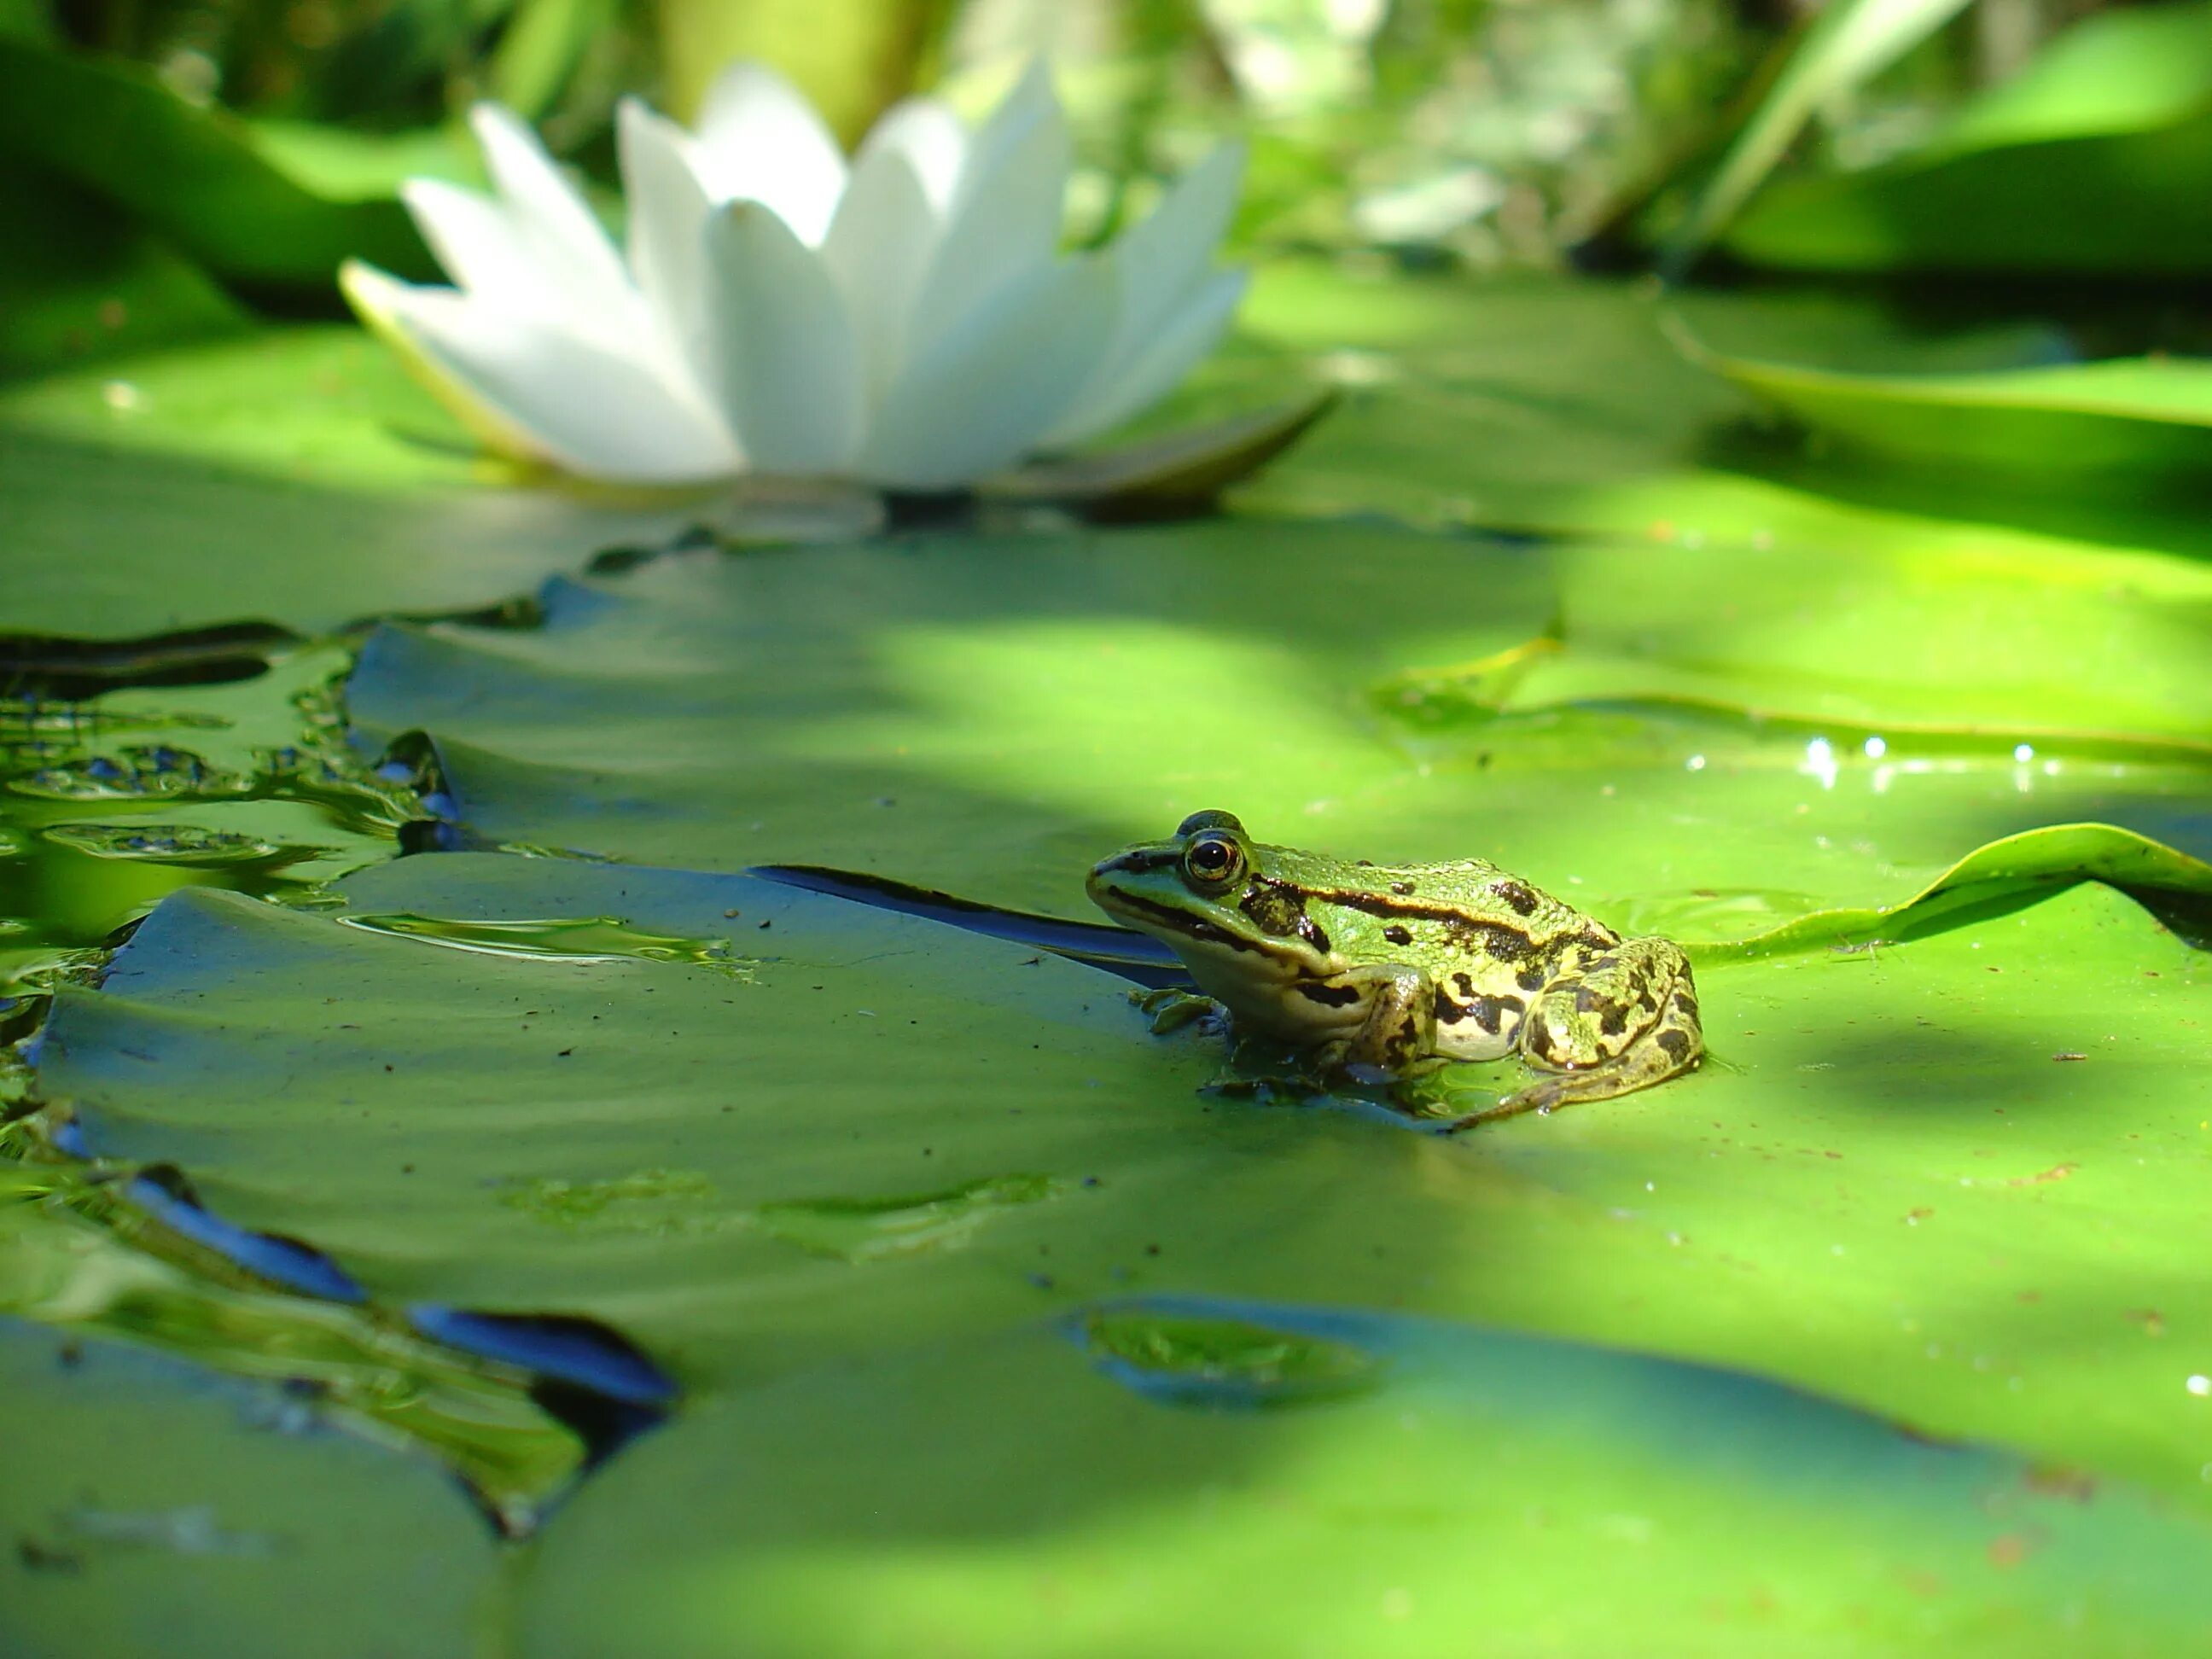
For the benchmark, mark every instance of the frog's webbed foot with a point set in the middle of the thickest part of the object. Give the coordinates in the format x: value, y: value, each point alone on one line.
x: 1171, y: 1008
x: 1626, y: 1022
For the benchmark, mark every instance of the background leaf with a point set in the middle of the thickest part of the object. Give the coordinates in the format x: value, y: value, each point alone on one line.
x: 2109, y: 138
x: 1847, y: 41
x: 193, y: 175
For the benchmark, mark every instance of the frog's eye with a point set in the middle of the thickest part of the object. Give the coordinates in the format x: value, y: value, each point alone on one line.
x: 1213, y: 859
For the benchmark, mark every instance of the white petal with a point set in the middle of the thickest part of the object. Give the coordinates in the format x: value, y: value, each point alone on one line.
x: 475, y: 240
x: 978, y: 395
x: 584, y: 409
x: 565, y: 240
x: 760, y: 141
x: 931, y: 138
x: 1158, y: 366
x: 1005, y: 218
x: 878, y: 248
x: 887, y: 227
x: 376, y: 298
x: 788, y: 365
x: 668, y: 214
x: 1164, y: 266
x: 1166, y: 257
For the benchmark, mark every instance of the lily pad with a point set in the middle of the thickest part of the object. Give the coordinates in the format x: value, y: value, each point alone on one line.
x: 2020, y: 870
x: 1420, y: 1481
x: 153, y: 1509
x: 849, y: 1300
x: 1565, y: 408
x: 2144, y: 418
x: 286, y: 476
x: 988, y: 717
x: 752, y: 1179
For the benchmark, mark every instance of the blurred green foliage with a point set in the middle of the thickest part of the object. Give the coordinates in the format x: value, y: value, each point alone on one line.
x: 1490, y: 131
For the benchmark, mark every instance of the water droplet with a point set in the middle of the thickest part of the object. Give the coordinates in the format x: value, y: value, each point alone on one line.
x: 1188, y: 1359
x: 2023, y: 753
x: 1875, y: 748
x: 2200, y: 1386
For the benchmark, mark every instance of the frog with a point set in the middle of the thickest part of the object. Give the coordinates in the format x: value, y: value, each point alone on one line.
x: 1383, y: 972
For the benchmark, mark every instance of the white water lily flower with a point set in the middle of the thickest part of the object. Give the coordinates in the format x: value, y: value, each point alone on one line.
x: 908, y: 321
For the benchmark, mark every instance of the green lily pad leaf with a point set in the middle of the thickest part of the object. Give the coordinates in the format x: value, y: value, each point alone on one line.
x: 2019, y: 870
x: 2148, y: 418
x: 2108, y: 134
x: 2043, y: 660
x: 990, y: 716
x: 287, y: 477
x: 1428, y: 1480
x: 754, y: 1179
x: 152, y: 1509
x: 1172, y: 475
x: 1538, y: 405
x: 195, y: 175
x: 667, y: 1180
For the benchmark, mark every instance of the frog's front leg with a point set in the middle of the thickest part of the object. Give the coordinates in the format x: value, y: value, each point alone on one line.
x: 1624, y: 1017
x: 1171, y: 1008
x: 1400, y: 1030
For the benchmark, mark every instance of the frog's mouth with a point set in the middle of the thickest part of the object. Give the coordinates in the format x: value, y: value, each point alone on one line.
x: 1156, y: 918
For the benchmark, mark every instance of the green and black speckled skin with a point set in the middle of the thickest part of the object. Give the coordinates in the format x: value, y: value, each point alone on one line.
x: 1389, y: 968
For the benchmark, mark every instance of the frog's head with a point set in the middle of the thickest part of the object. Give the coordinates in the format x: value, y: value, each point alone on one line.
x: 1210, y: 894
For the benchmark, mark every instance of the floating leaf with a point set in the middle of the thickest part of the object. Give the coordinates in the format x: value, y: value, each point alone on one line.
x: 2020, y: 870
x: 2141, y: 418
x: 152, y: 1508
